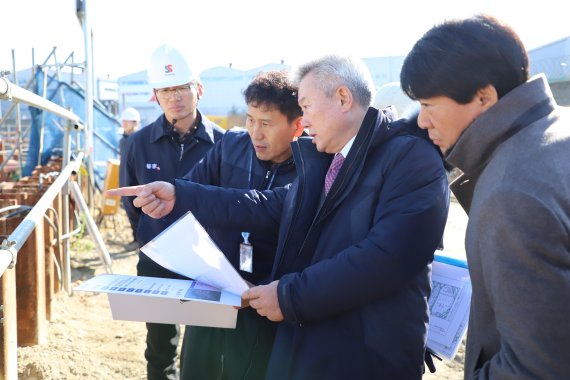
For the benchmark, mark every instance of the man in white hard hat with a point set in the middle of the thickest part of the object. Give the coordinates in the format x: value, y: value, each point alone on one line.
x: 164, y: 150
x: 130, y: 121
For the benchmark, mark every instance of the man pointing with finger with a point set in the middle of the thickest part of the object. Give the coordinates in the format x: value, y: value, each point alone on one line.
x: 357, y: 231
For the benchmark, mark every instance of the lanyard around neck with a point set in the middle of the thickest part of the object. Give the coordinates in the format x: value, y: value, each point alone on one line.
x: 251, y: 158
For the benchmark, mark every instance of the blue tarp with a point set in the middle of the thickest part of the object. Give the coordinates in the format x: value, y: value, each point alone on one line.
x: 50, y: 140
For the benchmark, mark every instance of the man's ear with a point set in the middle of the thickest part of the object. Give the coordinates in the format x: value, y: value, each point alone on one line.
x: 299, y: 127
x: 345, y: 98
x: 199, y: 90
x: 487, y: 96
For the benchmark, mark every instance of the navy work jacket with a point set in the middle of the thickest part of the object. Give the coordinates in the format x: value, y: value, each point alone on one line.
x: 232, y: 163
x: 153, y: 154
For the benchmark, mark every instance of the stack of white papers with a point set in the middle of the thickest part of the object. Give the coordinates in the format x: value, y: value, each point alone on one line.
x: 187, y: 249
x: 449, y: 305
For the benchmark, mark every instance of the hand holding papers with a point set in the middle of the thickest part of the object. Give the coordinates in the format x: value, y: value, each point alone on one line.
x: 449, y: 305
x: 187, y: 249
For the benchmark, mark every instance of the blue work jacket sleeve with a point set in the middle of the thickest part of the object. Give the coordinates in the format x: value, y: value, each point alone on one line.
x: 242, y: 210
x: 127, y: 177
x: 409, y: 219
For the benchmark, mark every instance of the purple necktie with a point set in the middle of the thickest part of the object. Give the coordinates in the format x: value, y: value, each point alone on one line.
x: 336, y: 163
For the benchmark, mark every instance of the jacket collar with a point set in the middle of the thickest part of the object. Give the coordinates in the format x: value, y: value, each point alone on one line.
x: 205, y: 130
x: 513, y: 112
x: 517, y: 109
x: 312, y: 164
x: 367, y: 136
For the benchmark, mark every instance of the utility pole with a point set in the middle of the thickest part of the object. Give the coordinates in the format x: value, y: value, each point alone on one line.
x: 83, y: 16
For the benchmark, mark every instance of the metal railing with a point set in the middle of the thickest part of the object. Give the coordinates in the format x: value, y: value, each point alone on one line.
x: 11, y: 245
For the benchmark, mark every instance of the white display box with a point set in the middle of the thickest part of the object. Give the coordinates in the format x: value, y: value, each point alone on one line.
x: 164, y: 300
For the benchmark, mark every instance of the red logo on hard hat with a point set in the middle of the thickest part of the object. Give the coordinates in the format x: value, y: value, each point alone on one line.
x: 168, y: 69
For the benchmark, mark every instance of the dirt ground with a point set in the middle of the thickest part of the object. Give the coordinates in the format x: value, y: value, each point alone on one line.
x: 84, y: 342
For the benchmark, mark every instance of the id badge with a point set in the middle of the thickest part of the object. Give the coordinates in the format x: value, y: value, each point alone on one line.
x: 246, y: 254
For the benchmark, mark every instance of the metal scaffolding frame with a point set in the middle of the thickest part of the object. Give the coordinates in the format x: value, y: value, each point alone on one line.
x: 9, y: 248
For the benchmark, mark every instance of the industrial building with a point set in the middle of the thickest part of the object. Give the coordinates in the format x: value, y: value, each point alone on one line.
x: 553, y: 60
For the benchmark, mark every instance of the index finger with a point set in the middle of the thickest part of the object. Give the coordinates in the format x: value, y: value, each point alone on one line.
x: 128, y: 191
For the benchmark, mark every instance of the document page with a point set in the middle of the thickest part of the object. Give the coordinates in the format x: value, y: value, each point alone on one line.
x: 186, y: 248
x: 158, y: 287
x: 449, y: 305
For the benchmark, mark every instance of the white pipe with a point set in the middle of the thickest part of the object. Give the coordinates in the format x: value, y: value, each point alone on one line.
x: 9, y: 91
x: 6, y: 258
x: 89, y: 90
x: 92, y: 227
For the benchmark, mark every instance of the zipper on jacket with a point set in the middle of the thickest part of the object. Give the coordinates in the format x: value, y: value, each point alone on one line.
x: 181, y: 151
x: 264, y: 185
x: 301, y: 189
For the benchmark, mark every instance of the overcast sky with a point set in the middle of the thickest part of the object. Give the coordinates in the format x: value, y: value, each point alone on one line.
x: 247, y: 33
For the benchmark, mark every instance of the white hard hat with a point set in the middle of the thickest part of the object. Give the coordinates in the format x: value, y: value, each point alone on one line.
x: 168, y: 68
x: 130, y: 114
x: 391, y: 94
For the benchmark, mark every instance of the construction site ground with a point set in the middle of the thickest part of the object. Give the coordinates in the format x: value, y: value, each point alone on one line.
x: 84, y: 342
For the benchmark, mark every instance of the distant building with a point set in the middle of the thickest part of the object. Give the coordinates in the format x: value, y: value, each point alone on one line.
x: 134, y: 91
x: 223, y: 87
x: 107, y: 94
x: 384, y: 69
x: 553, y: 60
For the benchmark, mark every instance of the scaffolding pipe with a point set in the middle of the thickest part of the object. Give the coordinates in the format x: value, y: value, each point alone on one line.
x: 66, y: 265
x: 89, y: 90
x: 42, y: 124
x: 9, y: 91
x: 28, y: 83
x: 18, y: 120
x: 13, y: 106
x: 12, y: 244
x: 12, y: 152
x: 92, y: 227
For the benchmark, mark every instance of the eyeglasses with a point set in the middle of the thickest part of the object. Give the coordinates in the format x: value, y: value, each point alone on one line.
x: 168, y: 93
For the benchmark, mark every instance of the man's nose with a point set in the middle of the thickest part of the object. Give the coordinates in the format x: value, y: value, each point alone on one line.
x: 256, y: 132
x: 423, y: 120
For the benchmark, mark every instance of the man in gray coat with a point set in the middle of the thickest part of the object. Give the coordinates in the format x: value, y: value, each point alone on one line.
x: 512, y: 142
